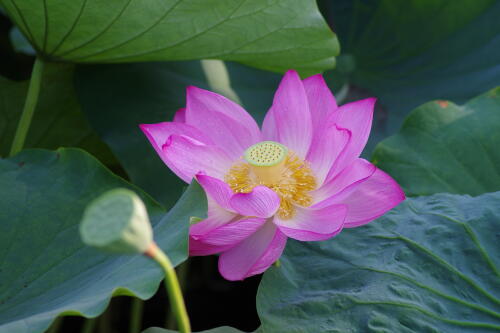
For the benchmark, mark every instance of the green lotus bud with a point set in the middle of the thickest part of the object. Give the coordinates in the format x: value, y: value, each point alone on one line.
x: 117, y: 221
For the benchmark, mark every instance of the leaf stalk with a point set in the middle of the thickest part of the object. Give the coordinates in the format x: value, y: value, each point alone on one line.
x: 29, y: 107
x: 173, y: 287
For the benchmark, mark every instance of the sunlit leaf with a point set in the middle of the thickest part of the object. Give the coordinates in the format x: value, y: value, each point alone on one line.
x: 430, y: 265
x: 46, y: 270
x: 274, y: 35
x: 444, y: 147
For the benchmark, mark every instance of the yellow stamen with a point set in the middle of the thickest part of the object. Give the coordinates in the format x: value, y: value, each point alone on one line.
x: 272, y: 165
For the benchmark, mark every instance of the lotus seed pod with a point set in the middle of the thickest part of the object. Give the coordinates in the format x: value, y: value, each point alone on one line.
x: 266, y: 154
x: 117, y: 221
x: 266, y: 159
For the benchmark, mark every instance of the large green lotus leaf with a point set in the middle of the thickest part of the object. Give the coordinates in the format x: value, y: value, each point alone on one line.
x: 222, y: 329
x: 117, y: 98
x: 46, y: 270
x: 429, y: 265
x: 409, y: 52
x: 443, y: 147
x: 58, y: 120
x: 273, y: 35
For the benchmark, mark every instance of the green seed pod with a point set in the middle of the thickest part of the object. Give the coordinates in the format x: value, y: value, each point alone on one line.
x: 266, y: 154
x: 117, y: 221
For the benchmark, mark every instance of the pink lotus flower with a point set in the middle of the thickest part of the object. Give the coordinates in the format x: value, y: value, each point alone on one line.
x: 299, y: 177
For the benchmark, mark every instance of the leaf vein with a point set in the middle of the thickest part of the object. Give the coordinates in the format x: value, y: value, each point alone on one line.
x: 443, y: 263
x: 71, y: 29
x: 169, y: 10
x: 434, y: 291
x: 100, y: 33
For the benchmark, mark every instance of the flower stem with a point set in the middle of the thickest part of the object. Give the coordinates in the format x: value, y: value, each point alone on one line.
x: 89, y: 325
x: 136, y: 315
x: 173, y: 287
x: 104, y: 322
x: 29, y: 107
x: 182, y: 276
x: 218, y: 78
x: 341, y: 95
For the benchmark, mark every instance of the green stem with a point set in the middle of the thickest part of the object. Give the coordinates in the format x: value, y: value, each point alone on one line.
x: 182, y: 271
x: 104, y: 322
x: 89, y: 325
x: 341, y: 95
x: 29, y: 107
x: 218, y: 78
x: 173, y: 288
x: 136, y: 315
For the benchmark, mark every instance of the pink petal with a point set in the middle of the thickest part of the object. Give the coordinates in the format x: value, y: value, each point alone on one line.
x: 232, y: 233
x: 269, y: 127
x: 216, y: 235
x: 311, y: 224
x: 325, y: 150
x: 186, y: 157
x: 370, y: 199
x: 261, y: 202
x: 290, y: 115
x: 253, y: 255
x: 159, y: 133
x: 320, y: 98
x: 180, y: 116
x: 356, y: 117
x: 216, y: 189
x: 216, y: 218
x: 203, y: 100
x: 199, y: 248
x: 353, y: 175
x: 224, y: 131
x: 272, y: 253
x: 219, y: 212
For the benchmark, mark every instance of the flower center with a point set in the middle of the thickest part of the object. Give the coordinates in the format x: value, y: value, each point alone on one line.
x: 271, y: 164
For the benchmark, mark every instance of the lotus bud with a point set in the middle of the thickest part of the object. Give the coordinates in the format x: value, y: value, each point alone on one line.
x: 117, y: 221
